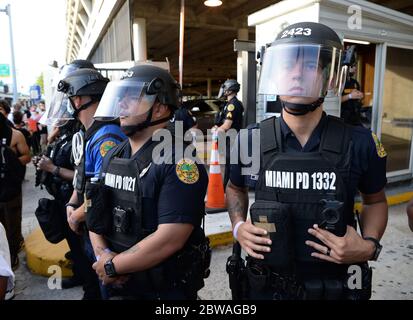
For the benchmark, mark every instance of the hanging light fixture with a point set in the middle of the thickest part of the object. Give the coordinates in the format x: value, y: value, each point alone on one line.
x: 212, y: 3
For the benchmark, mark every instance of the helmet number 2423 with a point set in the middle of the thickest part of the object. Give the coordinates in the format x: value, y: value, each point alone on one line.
x: 296, y: 32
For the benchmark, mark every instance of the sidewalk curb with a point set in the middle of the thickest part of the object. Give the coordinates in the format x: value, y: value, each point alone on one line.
x: 41, y: 255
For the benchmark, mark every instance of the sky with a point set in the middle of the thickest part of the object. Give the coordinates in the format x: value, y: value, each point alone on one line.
x: 39, y: 36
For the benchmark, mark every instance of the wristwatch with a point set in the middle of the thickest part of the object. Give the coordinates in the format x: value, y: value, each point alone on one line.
x: 110, y: 269
x: 378, y: 248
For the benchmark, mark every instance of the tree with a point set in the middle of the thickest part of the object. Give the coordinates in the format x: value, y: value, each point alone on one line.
x: 40, y: 82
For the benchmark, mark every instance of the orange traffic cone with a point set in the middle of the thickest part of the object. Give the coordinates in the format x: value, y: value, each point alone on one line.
x: 215, y: 196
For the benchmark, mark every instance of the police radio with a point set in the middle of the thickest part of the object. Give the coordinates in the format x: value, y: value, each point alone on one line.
x: 121, y: 219
x: 332, y: 216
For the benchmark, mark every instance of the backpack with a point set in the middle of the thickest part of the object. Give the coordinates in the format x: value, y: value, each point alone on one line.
x: 11, y: 172
x: 50, y: 215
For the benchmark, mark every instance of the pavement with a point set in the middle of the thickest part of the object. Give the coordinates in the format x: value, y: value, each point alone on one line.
x: 392, y: 278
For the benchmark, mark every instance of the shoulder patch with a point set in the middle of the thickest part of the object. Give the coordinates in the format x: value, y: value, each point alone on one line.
x: 187, y: 171
x: 231, y: 107
x: 379, y: 147
x: 105, y: 147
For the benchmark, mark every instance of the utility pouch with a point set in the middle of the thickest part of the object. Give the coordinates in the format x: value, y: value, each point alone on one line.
x: 275, y: 217
x: 258, y: 275
x: 50, y: 215
x: 314, y: 289
x: 333, y: 289
x: 98, y: 218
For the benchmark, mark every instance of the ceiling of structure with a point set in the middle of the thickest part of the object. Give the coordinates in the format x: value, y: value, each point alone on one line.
x: 209, y: 35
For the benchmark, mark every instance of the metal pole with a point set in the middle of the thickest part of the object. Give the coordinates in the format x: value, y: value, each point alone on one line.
x: 139, y: 39
x: 181, y: 42
x: 13, y: 65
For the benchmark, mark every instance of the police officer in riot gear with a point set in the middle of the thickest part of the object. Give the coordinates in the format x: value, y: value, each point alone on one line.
x: 230, y: 117
x: 145, y: 213
x: 55, y: 171
x: 79, y: 95
x: 302, y: 238
x: 351, y: 98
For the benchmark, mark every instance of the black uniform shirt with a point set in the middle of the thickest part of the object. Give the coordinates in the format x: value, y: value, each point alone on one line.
x: 187, y: 118
x: 368, y: 162
x: 173, y: 193
x: 350, y: 109
x: 233, y: 111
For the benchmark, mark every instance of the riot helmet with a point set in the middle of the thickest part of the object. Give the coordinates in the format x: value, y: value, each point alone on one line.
x: 83, y: 82
x: 60, y: 110
x: 136, y: 93
x: 229, y: 86
x: 303, y: 61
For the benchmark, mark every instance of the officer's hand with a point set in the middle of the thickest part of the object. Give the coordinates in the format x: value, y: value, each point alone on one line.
x: 72, y: 221
x: 351, y: 248
x: 35, y: 160
x: 355, y: 94
x: 99, y: 267
x: 252, y: 241
x: 46, y: 164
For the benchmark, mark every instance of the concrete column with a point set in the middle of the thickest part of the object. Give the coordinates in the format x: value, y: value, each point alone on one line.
x: 209, y: 88
x: 139, y: 39
x: 242, y: 56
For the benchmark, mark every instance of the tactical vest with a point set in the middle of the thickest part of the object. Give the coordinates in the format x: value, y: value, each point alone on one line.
x: 11, y: 170
x: 59, y: 152
x: 79, y: 142
x: 119, y: 196
x: 123, y: 191
x: 296, y: 190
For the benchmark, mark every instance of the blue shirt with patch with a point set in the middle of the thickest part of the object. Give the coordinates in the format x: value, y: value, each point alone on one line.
x: 94, y: 156
x: 368, y: 164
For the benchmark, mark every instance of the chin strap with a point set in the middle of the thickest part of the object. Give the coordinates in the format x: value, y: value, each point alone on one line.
x: 82, y: 107
x: 301, y: 109
x: 131, y: 130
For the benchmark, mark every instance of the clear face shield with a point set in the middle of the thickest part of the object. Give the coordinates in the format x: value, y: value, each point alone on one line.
x: 124, y: 99
x: 221, y: 91
x: 60, y: 110
x: 301, y: 71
